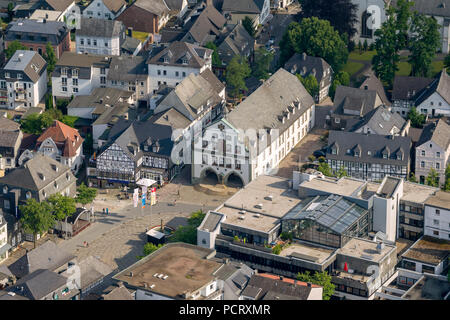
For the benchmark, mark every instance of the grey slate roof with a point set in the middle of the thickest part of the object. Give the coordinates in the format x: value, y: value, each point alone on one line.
x: 114, y: 5
x: 8, y: 125
x: 104, y: 28
x: 38, y: 284
x: 438, y: 132
x: 373, y: 143
x: 267, y: 103
x: 373, y: 83
x: 439, y: 8
x: 59, y: 5
x: 357, y: 100
x: 8, y: 138
x: 209, y: 22
x: 118, y: 293
x: 128, y: 68
x: 304, y: 65
x: 92, y: 270
x: 236, y: 42
x: 196, y: 56
x: 211, y: 221
x: 389, y: 185
x: 249, y: 6
x: 157, y: 7
x: 99, y: 98
x: 409, y: 88
x: 29, y: 175
x: 29, y: 62
x: 381, y: 121
x: 56, y: 30
x: 46, y: 256
x: 212, y: 79
x: 441, y: 85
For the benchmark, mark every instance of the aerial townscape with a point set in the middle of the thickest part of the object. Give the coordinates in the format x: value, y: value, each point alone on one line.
x: 232, y: 150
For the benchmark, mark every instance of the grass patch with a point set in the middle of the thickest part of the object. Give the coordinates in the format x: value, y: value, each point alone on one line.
x: 69, y: 120
x: 437, y: 66
x: 141, y: 36
x: 404, y: 69
x: 352, y: 67
x: 365, y: 56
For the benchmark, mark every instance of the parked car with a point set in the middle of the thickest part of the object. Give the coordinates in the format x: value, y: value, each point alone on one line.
x: 319, y: 153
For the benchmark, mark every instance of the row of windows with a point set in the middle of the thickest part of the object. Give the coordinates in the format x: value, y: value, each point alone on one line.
x: 94, y: 42
x: 437, y: 165
x: 176, y: 73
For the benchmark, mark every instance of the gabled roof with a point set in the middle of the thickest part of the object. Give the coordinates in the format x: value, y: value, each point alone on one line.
x: 373, y: 83
x: 236, y: 42
x: 437, y: 8
x: 157, y: 7
x: 359, y: 101
x: 268, y: 103
x: 371, y: 144
x: 438, y: 132
x: 441, y: 85
x: 38, y: 284
x: 62, y: 134
x: 300, y: 63
x: 249, y: 6
x: 128, y: 68
x: 46, y: 256
x: 409, y: 88
x: 114, y: 5
x: 210, y: 21
x: 9, y: 125
x: 381, y: 121
x: 36, y: 173
x: 104, y: 28
x: 29, y: 62
x: 177, y: 51
x: 59, y: 5
x: 8, y: 139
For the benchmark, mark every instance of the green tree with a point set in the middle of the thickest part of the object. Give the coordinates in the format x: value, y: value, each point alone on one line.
x: 85, y: 194
x: 13, y: 47
x: 447, y: 63
x: 236, y: 73
x: 412, y: 178
x: 385, y: 61
x: 215, y: 56
x: 325, y: 169
x: 50, y: 57
x: 341, y: 173
x: 311, y: 85
x: 365, y: 45
x: 340, y: 78
x: 322, y: 279
x: 247, y: 23
x: 261, y: 65
x: 277, y: 249
x: 433, y: 178
x: 417, y: 119
x: 402, y: 13
x: 149, y: 248
x: 188, y: 233
x: 62, y: 206
x: 447, y: 178
x: 286, y: 236
x: 318, y: 39
x: 424, y: 44
x: 342, y: 14
x: 37, y: 217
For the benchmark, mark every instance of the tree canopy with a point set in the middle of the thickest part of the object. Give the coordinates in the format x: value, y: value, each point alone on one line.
x: 215, y: 56
x: 318, y: 39
x: 447, y: 63
x: 433, y: 178
x: 417, y: 119
x: 247, y: 23
x: 50, y: 57
x: 425, y: 41
x: 188, y: 233
x: 341, y: 14
x: 447, y: 178
x: 322, y: 279
x: 261, y: 65
x: 13, y: 47
x: 62, y: 206
x: 311, y: 85
x: 85, y: 194
x: 340, y: 78
x: 236, y: 73
x: 37, y: 217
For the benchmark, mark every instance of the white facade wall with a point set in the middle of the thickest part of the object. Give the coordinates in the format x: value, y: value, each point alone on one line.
x: 170, y: 77
x: 434, y: 105
x: 84, y: 87
x: 97, y: 131
x: 85, y: 113
x: 29, y: 94
x: 98, y: 45
x: 3, y: 240
x: 97, y: 9
x: 437, y: 222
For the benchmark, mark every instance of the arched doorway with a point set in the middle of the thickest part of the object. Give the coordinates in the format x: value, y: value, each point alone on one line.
x: 209, y: 176
x: 234, y: 180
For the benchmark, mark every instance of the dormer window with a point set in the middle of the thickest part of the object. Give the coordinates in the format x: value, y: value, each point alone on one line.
x: 5, y: 189
x: 333, y: 150
x: 28, y: 195
x: 75, y: 72
x: 385, y: 156
x: 184, y: 61
x: 399, y: 156
x: 68, y: 177
x: 64, y: 71
x: 166, y: 59
x: 55, y: 184
x: 356, y: 153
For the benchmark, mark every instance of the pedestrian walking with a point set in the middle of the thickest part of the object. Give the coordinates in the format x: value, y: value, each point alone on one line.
x: 103, y: 210
x: 107, y: 211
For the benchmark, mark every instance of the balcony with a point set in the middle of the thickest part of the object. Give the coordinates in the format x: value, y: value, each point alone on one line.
x: 20, y: 90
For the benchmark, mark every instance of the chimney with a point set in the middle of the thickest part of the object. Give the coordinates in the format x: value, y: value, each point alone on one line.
x: 304, y: 56
x: 366, y: 87
x: 130, y: 31
x: 313, y: 71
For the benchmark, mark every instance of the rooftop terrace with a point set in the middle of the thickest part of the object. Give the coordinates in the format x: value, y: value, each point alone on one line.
x: 429, y: 250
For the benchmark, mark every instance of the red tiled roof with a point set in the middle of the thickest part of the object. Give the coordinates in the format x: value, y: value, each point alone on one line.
x: 64, y: 136
x: 287, y: 280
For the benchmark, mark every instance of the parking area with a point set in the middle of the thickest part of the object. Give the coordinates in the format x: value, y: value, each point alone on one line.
x: 299, y: 155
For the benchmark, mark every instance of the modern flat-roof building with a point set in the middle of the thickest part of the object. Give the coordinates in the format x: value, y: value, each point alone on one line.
x: 437, y: 216
x: 173, y: 272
